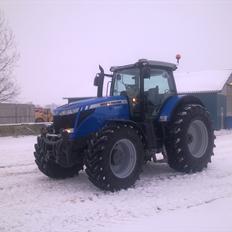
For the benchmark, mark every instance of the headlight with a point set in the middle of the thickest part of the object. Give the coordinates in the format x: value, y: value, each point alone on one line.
x: 68, y: 130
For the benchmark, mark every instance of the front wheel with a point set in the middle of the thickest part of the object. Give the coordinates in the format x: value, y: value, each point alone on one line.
x: 49, y: 167
x: 115, y: 157
x: 190, y: 139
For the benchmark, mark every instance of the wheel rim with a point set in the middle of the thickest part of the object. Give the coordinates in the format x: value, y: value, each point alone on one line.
x: 197, y: 138
x: 123, y: 158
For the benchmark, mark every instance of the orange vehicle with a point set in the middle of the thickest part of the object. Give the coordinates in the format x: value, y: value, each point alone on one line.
x: 43, y: 114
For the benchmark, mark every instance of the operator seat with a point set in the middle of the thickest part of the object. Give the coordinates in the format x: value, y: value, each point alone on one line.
x: 153, y: 99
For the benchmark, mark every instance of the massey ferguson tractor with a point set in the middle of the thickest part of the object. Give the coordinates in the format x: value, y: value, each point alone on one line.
x: 112, y: 137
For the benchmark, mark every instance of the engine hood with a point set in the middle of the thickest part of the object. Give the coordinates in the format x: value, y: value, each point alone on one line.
x: 91, y: 103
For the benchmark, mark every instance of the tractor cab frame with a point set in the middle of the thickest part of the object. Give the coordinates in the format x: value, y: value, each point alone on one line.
x: 146, y: 84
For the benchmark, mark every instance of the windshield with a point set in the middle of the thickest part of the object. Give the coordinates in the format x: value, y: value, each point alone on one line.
x: 126, y: 82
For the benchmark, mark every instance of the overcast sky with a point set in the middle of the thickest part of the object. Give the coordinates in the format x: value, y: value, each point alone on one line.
x: 61, y: 43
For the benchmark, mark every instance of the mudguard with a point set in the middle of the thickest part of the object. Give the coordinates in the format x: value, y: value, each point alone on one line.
x: 172, y: 103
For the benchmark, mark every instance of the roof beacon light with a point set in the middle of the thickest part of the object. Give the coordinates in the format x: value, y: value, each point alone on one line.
x: 178, y: 56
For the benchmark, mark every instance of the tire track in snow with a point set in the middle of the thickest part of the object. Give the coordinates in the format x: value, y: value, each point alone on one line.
x: 17, y: 165
x: 18, y: 173
x: 201, y: 203
x: 16, y: 170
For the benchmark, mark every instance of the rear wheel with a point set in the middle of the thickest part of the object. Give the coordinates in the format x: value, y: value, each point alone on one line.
x: 115, y: 157
x: 190, y: 139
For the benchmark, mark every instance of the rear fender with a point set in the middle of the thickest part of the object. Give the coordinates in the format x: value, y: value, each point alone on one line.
x: 172, y: 104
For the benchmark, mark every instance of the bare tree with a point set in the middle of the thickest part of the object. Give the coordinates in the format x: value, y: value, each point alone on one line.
x: 8, y: 59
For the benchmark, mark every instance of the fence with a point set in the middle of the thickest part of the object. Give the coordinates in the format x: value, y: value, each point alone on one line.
x: 16, y: 113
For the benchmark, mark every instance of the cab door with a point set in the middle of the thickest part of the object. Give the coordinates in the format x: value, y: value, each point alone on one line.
x: 158, y: 86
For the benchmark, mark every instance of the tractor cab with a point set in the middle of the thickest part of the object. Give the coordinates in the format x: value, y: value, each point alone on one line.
x: 146, y: 84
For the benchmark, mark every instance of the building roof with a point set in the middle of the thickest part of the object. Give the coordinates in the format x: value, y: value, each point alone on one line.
x: 144, y: 62
x: 73, y: 99
x: 202, y: 81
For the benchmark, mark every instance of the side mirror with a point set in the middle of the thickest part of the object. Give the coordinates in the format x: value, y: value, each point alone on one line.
x: 146, y: 72
x: 97, y: 80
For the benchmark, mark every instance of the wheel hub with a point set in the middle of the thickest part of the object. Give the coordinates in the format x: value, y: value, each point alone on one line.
x: 117, y: 157
x: 123, y: 158
x: 189, y: 138
x: 197, y: 138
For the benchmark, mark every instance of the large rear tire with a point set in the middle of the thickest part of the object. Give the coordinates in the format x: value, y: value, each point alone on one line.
x: 190, y: 139
x: 49, y: 167
x: 115, y: 157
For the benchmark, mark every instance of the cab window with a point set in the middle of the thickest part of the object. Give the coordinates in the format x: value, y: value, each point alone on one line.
x: 157, y: 87
x: 126, y: 82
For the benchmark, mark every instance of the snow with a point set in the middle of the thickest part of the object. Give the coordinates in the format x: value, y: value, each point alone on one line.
x: 162, y: 200
x: 208, y: 80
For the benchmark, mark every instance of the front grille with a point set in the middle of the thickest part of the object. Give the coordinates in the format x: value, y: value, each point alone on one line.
x: 64, y: 121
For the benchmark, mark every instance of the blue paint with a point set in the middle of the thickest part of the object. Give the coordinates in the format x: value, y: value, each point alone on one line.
x: 169, y: 106
x: 104, y: 113
x: 85, y: 103
x: 100, y: 116
x: 228, y: 122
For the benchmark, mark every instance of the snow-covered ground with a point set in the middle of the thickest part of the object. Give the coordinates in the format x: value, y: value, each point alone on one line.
x: 162, y: 200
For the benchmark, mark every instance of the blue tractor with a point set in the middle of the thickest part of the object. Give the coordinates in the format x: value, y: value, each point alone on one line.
x: 113, y: 137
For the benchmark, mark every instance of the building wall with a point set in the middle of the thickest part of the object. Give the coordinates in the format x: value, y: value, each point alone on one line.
x: 229, y: 101
x: 16, y: 113
x: 221, y: 111
x: 227, y: 91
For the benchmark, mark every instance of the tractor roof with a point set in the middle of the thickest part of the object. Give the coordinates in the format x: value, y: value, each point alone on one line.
x: 144, y: 62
